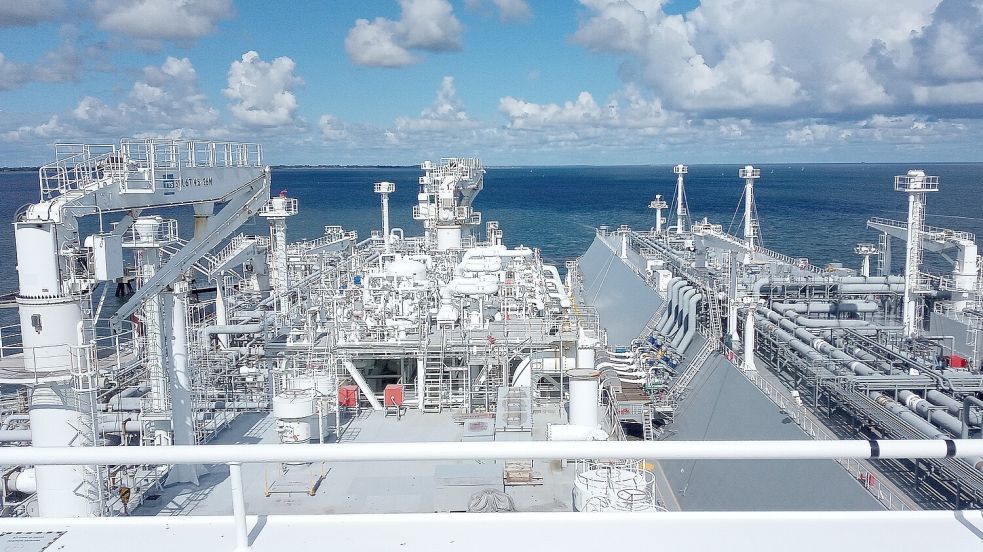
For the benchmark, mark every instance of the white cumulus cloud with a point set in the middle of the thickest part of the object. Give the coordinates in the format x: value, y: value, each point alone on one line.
x: 789, y: 58
x: 165, y: 101
x: 332, y: 128
x: 161, y: 19
x: 426, y: 25
x: 262, y: 92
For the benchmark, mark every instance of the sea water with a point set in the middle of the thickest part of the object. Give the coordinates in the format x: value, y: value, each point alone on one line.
x: 818, y: 211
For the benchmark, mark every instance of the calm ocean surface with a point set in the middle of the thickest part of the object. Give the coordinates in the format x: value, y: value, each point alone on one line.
x: 815, y: 211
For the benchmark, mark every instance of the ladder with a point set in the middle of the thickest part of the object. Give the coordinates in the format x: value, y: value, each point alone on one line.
x: 648, y: 431
x: 433, y: 379
x: 83, y: 398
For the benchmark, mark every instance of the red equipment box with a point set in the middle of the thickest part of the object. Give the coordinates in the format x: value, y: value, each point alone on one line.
x: 956, y: 361
x: 348, y: 396
x: 393, y: 395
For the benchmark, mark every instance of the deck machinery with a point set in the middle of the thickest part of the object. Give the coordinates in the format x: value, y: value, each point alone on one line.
x: 869, y: 355
x: 306, y: 334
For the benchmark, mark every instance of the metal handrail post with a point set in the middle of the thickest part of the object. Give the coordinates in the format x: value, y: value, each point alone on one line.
x: 238, y: 507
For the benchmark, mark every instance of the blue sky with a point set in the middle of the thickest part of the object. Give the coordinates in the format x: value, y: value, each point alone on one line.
x: 512, y: 81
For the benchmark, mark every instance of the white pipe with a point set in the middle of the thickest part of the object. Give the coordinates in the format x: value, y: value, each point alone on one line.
x: 560, y: 289
x: 237, y: 329
x: 23, y: 481
x: 496, y: 450
x: 362, y: 385
x: 15, y: 435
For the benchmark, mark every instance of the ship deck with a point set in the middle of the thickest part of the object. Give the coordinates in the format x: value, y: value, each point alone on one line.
x: 379, y: 487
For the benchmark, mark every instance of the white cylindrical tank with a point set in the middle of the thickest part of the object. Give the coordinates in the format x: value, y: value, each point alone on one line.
x: 49, y: 329
x: 584, y: 384
x: 293, y: 410
x: 37, y: 259
x: 448, y: 237
x: 585, y: 357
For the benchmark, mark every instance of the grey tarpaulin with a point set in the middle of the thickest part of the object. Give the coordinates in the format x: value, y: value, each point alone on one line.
x: 490, y: 500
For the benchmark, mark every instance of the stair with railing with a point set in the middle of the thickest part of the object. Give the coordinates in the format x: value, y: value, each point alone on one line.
x: 433, y: 379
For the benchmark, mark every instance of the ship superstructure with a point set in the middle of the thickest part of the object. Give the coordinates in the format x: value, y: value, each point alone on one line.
x: 416, y: 377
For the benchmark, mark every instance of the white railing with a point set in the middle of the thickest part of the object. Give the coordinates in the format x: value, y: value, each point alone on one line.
x: 236, y: 455
x: 933, y: 232
x: 800, y: 262
x: 75, y: 167
x: 279, y: 206
x: 164, y: 233
x: 174, y: 154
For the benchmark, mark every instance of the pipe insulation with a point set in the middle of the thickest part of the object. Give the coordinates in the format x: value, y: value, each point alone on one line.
x: 686, y: 293
x: 817, y: 343
x: 691, y: 322
x: 940, y: 418
x: 953, y: 406
x: 827, y: 307
x: 673, y: 284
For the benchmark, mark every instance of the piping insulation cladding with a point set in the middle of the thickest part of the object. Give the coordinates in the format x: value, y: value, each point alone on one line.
x: 456, y: 450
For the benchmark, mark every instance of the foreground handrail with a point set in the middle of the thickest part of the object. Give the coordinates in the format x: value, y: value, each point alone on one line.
x: 456, y: 450
x: 236, y: 455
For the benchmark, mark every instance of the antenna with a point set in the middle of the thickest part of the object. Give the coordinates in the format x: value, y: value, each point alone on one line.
x: 384, y: 189
x: 866, y: 250
x: 658, y: 204
x: 751, y: 227
x: 682, y: 208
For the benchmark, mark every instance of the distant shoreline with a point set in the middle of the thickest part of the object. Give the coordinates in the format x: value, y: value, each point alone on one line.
x: 416, y: 166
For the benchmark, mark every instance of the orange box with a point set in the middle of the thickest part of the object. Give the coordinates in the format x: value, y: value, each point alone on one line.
x: 348, y: 395
x: 393, y: 395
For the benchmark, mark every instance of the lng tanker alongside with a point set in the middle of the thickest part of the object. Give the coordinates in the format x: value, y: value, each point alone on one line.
x: 441, y: 388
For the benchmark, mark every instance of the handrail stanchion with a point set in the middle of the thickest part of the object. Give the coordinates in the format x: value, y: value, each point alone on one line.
x: 238, y: 507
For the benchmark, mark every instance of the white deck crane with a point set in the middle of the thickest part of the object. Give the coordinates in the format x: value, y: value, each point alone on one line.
x: 57, y: 272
